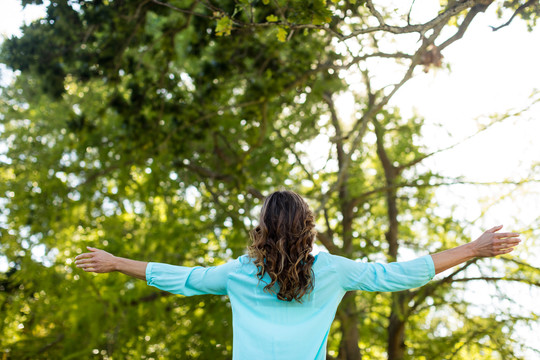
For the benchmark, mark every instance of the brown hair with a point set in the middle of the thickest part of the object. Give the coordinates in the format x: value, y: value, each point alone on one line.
x: 281, y: 245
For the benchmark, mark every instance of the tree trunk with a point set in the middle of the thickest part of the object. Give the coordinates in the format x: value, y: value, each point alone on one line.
x: 392, y: 233
x: 348, y: 317
x: 396, y: 327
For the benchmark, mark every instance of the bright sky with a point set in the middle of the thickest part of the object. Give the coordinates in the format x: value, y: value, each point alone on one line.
x: 492, y: 72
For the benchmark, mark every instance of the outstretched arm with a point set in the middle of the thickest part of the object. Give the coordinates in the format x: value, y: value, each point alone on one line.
x: 398, y: 276
x: 100, y: 261
x: 182, y: 280
x: 490, y: 243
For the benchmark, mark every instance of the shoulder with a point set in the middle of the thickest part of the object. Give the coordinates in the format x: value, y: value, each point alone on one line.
x: 338, y: 263
x: 246, y: 264
x: 244, y: 260
x: 327, y: 258
x: 326, y: 261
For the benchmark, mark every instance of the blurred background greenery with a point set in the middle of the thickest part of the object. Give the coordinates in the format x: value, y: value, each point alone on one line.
x: 154, y: 129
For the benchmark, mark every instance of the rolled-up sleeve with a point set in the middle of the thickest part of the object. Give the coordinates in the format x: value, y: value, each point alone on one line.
x: 189, y: 281
x: 397, y: 276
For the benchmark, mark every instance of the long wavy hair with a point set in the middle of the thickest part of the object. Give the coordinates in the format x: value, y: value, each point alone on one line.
x: 281, y: 245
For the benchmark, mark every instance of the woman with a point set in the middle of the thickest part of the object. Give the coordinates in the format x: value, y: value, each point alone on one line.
x: 284, y: 298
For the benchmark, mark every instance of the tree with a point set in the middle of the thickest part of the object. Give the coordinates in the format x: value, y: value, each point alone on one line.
x: 156, y: 128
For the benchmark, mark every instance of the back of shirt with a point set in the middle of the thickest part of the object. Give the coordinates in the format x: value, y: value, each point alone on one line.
x: 277, y: 329
x: 267, y: 328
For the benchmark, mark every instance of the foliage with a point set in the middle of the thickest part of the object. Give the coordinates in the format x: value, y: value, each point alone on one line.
x: 153, y: 130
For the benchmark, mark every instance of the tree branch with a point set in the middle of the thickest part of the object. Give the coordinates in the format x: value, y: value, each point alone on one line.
x: 518, y: 11
x: 338, y: 139
x: 421, y: 294
x: 494, y: 278
x: 377, y: 14
x: 497, y: 120
x: 464, y: 25
x: 204, y: 171
x: 290, y: 147
x: 185, y: 11
x: 420, y: 28
x: 362, y: 197
x: 329, y: 243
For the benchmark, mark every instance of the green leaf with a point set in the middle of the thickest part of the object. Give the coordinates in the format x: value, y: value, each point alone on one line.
x: 272, y: 18
x: 282, y: 34
x: 224, y: 26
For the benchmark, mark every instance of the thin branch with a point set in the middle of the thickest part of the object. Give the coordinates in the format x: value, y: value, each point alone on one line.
x: 205, y: 172
x: 389, y: 169
x: 255, y: 193
x: 185, y: 11
x: 377, y: 14
x: 138, y: 10
x: 234, y: 215
x: 360, y: 126
x: 467, y: 341
x: 518, y: 11
x: 299, y: 161
x: 338, y: 139
x: 329, y: 230
x: 409, y: 13
x: 495, y: 278
x: 327, y: 237
x: 420, y: 28
x: 478, y: 8
x: 481, y: 130
x: 421, y: 294
x: 425, y: 156
x: 280, y: 11
x: 263, y: 125
x: 45, y: 347
x: 328, y: 243
x: 521, y: 263
x: 362, y: 197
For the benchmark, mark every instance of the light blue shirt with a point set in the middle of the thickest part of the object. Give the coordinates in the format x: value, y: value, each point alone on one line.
x: 267, y: 328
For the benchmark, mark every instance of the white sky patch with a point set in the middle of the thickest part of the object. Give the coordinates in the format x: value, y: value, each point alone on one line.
x: 192, y: 194
x: 12, y: 16
x: 316, y: 152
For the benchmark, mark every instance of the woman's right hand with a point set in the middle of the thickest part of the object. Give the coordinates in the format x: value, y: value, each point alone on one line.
x: 492, y: 243
x: 97, y: 260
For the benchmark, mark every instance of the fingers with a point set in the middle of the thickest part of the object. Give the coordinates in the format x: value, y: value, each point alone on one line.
x: 506, y: 242
x: 88, y: 266
x: 84, y: 256
x: 83, y: 261
x: 506, y: 235
x: 87, y: 255
x: 504, y: 251
x: 496, y: 228
x: 505, y: 246
x: 88, y: 261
